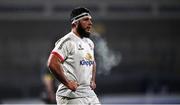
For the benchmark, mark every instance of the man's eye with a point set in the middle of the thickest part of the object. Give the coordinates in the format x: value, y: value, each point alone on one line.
x: 86, y: 19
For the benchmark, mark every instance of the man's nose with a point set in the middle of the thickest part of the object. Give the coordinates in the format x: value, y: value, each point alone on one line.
x: 90, y: 22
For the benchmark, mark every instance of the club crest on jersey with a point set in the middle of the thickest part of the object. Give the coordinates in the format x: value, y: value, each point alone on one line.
x: 88, y: 61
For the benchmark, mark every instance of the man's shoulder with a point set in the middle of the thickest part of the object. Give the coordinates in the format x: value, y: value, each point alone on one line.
x: 64, y: 39
x: 89, y: 40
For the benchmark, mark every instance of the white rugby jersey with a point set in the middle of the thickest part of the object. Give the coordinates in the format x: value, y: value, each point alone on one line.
x: 78, y: 57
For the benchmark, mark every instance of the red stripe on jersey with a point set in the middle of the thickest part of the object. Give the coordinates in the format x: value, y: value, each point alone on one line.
x: 58, y: 55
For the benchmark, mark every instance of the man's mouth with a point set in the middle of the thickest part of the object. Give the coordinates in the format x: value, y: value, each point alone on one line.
x: 88, y: 29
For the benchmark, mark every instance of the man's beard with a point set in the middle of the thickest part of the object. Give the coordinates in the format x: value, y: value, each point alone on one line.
x: 82, y: 31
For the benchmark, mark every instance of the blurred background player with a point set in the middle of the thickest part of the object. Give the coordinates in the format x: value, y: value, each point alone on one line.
x: 49, y: 84
x: 73, y: 64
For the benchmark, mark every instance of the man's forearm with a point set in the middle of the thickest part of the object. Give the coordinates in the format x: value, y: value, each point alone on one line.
x: 54, y: 65
x: 94, y: 72
x: 93, y: 79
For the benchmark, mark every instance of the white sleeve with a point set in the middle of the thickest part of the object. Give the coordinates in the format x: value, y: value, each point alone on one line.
x: 62, y: 49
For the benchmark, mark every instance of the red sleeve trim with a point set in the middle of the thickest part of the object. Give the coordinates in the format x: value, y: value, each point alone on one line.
x: 58, y: 55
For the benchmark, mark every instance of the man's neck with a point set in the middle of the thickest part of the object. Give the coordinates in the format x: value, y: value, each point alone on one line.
x: 75, y: 32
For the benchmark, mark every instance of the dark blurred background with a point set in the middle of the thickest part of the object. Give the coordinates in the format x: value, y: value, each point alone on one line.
x: 144, y: 33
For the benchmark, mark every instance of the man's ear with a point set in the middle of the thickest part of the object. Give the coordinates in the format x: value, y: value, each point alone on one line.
x: 76, y: 24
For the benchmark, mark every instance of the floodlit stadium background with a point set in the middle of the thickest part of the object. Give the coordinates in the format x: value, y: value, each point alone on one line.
x: 141, y: 37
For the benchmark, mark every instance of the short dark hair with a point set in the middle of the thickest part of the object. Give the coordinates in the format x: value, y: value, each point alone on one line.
x: 77, y: 11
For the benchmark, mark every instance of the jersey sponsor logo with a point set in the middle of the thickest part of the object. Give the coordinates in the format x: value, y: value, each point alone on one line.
x: 88, y: 61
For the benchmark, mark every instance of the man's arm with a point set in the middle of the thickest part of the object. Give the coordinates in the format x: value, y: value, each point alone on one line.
x: 93, y: 80
x: 54, y: 64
